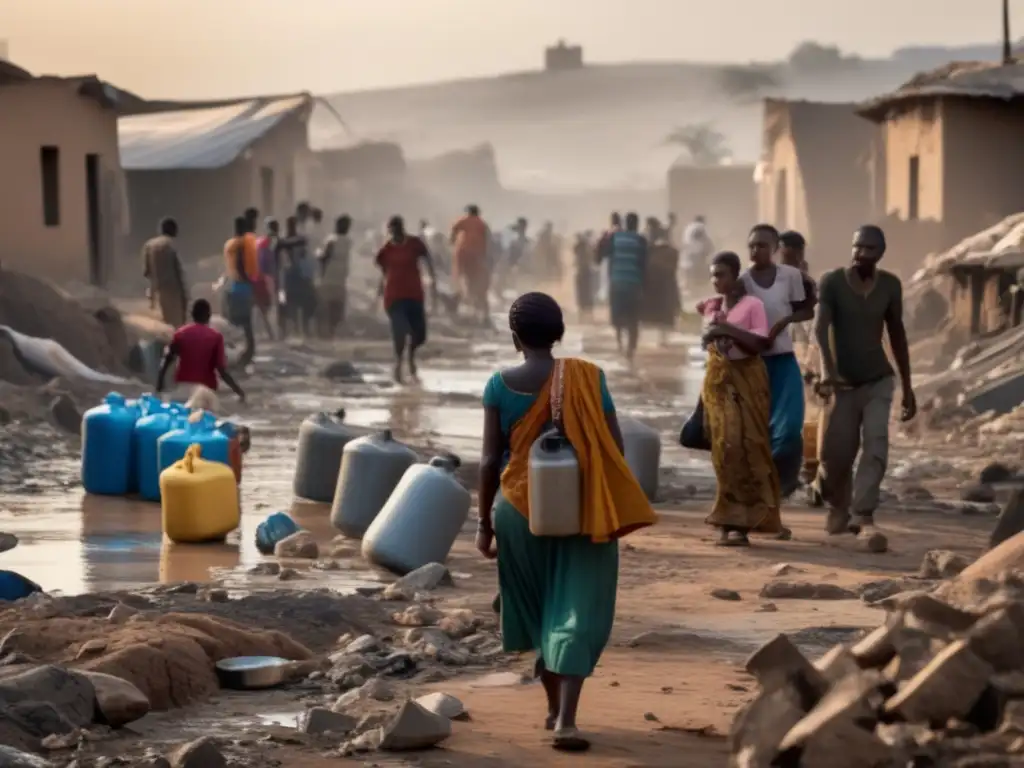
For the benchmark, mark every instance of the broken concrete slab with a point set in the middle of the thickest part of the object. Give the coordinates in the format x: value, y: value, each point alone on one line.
x: 837, y: 664
x: 946, y: 688
x: 877, y: 647
x: 997, y: 638
x: 320, y: 720
x: 778, y: 663
x: 443, y: 704
x: 760, y: 726
x: 415, y: 728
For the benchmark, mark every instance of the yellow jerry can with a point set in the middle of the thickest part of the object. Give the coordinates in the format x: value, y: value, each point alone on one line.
x: 198, y: 499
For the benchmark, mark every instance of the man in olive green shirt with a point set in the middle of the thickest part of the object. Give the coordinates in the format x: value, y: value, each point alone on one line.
x: 855, y: 304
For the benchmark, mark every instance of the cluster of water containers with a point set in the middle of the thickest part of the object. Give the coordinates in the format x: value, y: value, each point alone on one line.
x: 166, y: 452
x: 409, y: 514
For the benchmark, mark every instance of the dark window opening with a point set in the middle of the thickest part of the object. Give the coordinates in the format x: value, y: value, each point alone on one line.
x: 49, y: 162
x: 914, y: 191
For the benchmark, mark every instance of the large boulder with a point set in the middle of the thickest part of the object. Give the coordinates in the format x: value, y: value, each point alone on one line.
x: 118, y: 702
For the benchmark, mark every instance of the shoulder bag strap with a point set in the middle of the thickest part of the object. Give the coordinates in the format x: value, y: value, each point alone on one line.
x: 558, y: 395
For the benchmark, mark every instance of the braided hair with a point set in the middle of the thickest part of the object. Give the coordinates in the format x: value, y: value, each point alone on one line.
x: 536, y: 320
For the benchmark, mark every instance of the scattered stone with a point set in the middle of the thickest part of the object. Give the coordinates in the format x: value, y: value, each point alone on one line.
x: 443, y: 704
x: 65, y: 414
x: 326, y: 564
x: 874, y: 542
x: 120, y: 613
x: 319, y: 720
x: 8, y: 541
x: 362, y: 644
x: 416, y: 616
x: 342, y: 371
x: 415, y: 728
x: 458, y: 624
x: 784, y: 569
x: 874, y: 591
x: 802, y: 590
x: 946, y: 688
x: 916, y: 493
x: 299, y: 544
x: 268, y: 568
x: 942, y: 564
x: 650, y: 717
x: 996, y: 638
x: 91, y: 647
x: 289, y: 574
x: 981, y: 493
x: 214, y: 595
x: 393, y: 593
x: 767, y: 608
x: 996, y: 472
x: 368, y: 741
x: 118, y: 701
x: 425, y: 578
x: 725, y: 594
x: 779, y: 663
x: 201, y: 753
x: 70, y: 694
x: 13, y: 758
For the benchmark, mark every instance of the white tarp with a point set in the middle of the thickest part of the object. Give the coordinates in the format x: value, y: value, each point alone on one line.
x: 47, y: 357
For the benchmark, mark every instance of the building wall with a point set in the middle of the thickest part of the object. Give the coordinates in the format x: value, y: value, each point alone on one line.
x: 917, y: 132
x: 984, y: 155
x: 781, y: 186
x: 284, y: 151
x: 49, y: 112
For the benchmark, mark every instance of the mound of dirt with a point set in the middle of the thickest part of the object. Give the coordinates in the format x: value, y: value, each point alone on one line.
x: 37, y: 308
x: 168, y: 657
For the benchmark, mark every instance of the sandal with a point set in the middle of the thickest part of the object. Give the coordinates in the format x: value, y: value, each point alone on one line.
x: 570, y: 740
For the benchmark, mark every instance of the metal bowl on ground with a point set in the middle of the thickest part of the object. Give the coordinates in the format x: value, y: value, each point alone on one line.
x: 247, y: 673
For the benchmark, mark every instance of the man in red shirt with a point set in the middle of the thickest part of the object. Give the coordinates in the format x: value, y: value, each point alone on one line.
x: 401, y: 286
x: 199, y: 350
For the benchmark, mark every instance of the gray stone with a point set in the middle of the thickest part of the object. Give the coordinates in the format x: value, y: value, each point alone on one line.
x: 8, y: 541
x: 416, y: 616
x: 120, y: 613
x: 760, y: 726
x: 289, y: 574
x: 319, y: 720
x: 778, y: 663
x: 363, y: 644
x: 443, y: 704
x: 342, y: 371
x: 299, y: 544
x: 801, y: 590
x: 201, y: 753
x: 415, y: 728
x: 70, y: 693
x: 425, y: 578
x: 119, y: 702
x: 996, y: 472
x: 268, y: 568
x: 725, y: 594
x: 13, y: 758
x: 942, y: 564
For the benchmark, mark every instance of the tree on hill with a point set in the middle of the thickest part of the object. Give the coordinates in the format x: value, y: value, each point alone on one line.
x: 703, y: 143
x: 815, y: 57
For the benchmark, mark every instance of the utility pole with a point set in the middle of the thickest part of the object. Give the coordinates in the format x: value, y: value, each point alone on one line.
x: 1007, y: 46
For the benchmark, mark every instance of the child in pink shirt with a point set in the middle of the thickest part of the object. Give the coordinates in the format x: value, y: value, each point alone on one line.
x: 746, y: 314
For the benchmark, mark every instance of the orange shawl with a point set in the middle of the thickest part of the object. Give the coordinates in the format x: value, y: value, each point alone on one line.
x: 614, y: 505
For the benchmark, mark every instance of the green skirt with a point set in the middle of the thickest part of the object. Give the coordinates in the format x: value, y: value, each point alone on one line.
x: 557, y: 593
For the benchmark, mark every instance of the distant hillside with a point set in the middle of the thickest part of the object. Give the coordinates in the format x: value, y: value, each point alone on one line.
x: 599, y: 127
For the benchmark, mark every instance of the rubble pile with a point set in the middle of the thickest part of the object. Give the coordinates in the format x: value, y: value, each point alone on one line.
x: 940, y: 683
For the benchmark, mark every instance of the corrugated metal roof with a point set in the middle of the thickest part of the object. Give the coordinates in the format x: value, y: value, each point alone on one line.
x: 198, y: 138
x: 971, y: 79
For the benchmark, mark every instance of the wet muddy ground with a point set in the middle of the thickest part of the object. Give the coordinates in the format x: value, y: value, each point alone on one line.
x: 671, y: 679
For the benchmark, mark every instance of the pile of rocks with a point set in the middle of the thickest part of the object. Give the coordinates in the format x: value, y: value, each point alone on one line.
x: 941, y: 683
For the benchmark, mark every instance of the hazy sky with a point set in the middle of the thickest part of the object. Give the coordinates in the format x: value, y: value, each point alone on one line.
x: 209, y: 48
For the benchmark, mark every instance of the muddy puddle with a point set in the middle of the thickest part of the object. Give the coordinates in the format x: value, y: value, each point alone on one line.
x: 76, y: 543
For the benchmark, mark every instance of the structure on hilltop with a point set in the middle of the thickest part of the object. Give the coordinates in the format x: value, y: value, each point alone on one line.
x: 561, y: 57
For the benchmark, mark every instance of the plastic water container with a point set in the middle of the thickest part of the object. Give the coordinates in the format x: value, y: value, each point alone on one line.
x: 555, y: 487
x: 198, y: 499
x: 231, y: 431
x: 161, y: 419
x: 107, y: 433
x: 201, y: 430
x: 322, y: 438
x: 642, y: 453
x: 421, y: 520
x: 371, y: 467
